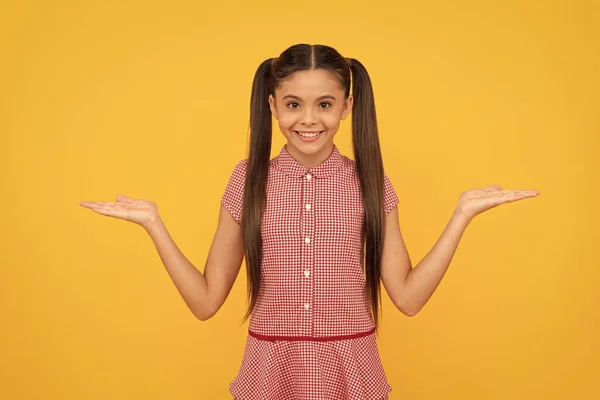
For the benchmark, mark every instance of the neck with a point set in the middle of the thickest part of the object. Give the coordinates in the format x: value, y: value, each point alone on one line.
x: 311, y: 160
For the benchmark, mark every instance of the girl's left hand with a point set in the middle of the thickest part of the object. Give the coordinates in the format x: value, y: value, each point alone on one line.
x: 475, y: 201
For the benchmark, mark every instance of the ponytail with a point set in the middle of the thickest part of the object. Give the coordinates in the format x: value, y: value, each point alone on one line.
x: 256, y: 177
x: 369, y: 166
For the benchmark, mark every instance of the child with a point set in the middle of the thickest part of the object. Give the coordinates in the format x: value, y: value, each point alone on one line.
x: 311, y: 223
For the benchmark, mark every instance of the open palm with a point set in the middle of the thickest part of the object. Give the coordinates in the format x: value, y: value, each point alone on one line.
x: 476, y: 201
x: 141, y: 212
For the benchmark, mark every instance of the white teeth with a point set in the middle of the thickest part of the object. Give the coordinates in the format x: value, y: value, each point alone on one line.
x: 308, y: 134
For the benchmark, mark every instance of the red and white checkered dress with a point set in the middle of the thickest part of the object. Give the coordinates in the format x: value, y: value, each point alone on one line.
x: 311, y: 335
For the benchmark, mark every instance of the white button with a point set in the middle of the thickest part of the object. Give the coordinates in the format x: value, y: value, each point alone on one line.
x: 306, y: 272
x: 306, y: 306
x: 308, y: 176
x: 307, y: 206
x: 307, y: 240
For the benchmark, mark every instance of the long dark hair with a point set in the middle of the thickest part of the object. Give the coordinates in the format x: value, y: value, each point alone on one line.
x: 367, y: 154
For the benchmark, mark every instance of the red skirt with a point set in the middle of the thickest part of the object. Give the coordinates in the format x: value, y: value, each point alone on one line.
x: 347, y: 369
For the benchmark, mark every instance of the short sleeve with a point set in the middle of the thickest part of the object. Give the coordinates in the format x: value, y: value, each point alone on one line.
x: 390, y: 198
x: 233, y: 198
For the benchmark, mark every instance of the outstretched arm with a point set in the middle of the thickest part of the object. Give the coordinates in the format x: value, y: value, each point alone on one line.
x: 205, y: 293
x: 411, y: 288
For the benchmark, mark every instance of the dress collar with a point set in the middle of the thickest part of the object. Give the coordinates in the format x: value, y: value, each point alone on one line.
x: 290, y: 166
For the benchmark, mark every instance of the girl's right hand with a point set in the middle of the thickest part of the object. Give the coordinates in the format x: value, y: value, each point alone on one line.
x: 141, y: 212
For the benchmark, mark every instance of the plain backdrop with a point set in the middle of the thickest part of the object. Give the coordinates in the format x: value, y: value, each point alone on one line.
x: 151, y: 99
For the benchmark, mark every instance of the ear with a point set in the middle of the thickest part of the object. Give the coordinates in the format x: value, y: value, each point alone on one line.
x: 273, y: 107
x: 347, y: 106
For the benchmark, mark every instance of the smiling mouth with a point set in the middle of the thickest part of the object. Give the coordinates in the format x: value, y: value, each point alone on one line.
x: 308, y: 135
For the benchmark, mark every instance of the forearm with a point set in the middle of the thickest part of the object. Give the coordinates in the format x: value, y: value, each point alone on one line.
x: 188, y: 280
x: 423, y: 279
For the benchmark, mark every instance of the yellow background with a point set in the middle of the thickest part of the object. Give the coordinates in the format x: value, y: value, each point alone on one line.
x: 151, y: 99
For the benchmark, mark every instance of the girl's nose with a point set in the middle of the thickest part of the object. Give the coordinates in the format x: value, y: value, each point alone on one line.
x: 309, y: 117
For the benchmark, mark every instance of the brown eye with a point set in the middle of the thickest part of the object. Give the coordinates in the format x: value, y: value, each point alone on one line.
x: 288, y: 104
x: 327, y: 103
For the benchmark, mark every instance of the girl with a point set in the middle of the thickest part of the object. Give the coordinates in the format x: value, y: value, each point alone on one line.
x: 311, y: 224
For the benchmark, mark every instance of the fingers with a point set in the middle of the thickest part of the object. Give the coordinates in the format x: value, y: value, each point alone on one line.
x: 124, y: 199
x: 527, y: 193
x: 120, y: 199
x: 92, y: 204
x: 494, y: 190
x: 492, y: 187
x: 508, y: 196
x: 109, y: 211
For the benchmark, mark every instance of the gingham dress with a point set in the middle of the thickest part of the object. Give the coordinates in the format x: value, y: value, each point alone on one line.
x: 311, y: 335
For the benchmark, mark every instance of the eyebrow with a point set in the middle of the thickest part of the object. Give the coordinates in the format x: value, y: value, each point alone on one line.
x: 292, y: 96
